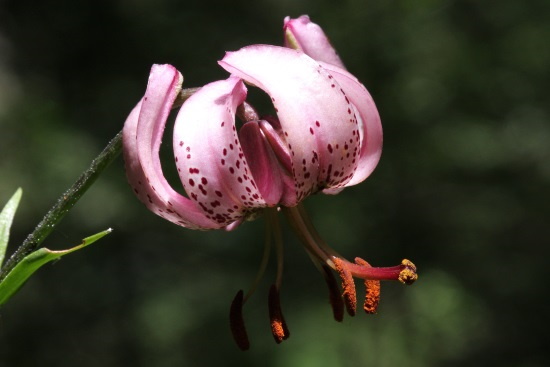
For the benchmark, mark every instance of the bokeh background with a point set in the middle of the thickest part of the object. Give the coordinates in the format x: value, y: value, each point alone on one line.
x: 463, y: 188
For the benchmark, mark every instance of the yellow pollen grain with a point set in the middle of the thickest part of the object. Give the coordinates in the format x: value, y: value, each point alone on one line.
x: 407, y: 276
x: 409, y: 264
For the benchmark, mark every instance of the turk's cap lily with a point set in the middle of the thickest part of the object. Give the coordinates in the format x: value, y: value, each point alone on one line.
x: 325, y: 135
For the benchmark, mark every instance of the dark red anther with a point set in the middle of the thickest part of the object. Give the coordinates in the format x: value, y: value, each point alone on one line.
x: 278, y: 325
x: 236, y: 322
x: 334, y: 295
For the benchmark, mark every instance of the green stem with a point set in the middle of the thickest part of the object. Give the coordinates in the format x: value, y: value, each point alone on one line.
x: 71, y: 196
x: 64, y: 204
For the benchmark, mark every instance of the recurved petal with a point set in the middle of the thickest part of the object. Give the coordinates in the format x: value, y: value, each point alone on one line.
x: 316, y: 116
x: 141, y: 137
x: 209, y: 157
x: 369, y: 122
x: 263, y: 164
x: 308, y: 37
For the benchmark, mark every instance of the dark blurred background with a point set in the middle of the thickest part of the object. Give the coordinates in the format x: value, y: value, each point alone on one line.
x: 463, y: 188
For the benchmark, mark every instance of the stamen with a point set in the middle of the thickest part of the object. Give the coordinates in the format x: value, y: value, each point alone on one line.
x: 265, y: 256
x: 183, y: 96
x: 334, y: 295
x: 236, y: 322
x: 372, y: 296
x: 348, y: 285
x: 246, y: 112
x: 276, y: 142
x: 276, y: 227
x: 278, y: 325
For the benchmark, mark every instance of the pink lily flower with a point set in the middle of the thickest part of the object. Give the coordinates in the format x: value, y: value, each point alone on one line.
x: 326, y: 136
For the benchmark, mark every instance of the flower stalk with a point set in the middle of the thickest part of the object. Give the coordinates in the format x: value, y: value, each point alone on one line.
x: 64, y: 204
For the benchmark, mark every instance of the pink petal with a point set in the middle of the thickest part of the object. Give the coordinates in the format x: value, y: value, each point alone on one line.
x: 369, y: 122
x: 316, y: 117
x: 262, y: 162
x: 308, y: 37
x: 141, y: 139
x: 272, y: 131
x: 209, y: 157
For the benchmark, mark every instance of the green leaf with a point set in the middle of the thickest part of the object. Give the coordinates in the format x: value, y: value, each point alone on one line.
x: 31, y: 263
x: 6, y: 218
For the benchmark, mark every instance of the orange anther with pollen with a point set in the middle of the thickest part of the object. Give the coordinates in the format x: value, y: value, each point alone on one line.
x: 278, y: 325
x: 348, y: 285
x: 372, y: 296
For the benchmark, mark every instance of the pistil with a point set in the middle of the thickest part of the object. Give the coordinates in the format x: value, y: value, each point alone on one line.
x: 326, y: 258
x: 404, y: 272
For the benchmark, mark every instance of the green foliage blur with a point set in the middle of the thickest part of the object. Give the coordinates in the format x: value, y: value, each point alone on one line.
x: 463, y: 188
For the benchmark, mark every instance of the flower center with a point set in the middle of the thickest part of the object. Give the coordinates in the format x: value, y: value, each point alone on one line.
x: 328, y: 261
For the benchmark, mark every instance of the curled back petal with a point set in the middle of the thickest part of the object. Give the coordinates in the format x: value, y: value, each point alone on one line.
x: 142, y: 134
x: 308, y: 37
x: 316, y: 116
x: 279, y: 147
x: 262, y: 162
x: 209, y: 157
x: 369, y: 122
